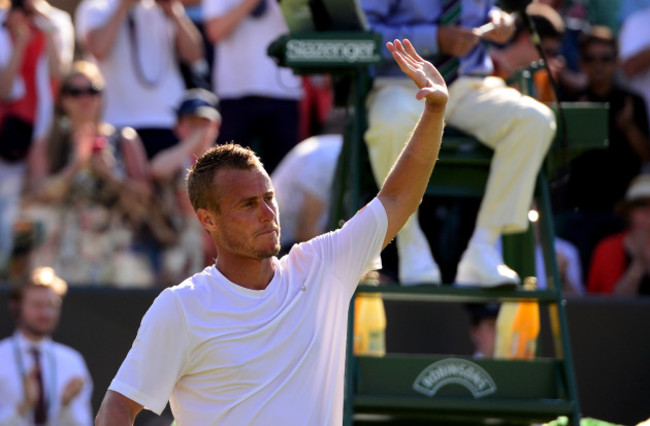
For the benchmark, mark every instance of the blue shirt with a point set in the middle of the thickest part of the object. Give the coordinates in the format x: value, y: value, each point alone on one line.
x: 417, y: 20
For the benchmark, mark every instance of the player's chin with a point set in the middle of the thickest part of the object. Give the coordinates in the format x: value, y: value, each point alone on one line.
x: 269, y: 251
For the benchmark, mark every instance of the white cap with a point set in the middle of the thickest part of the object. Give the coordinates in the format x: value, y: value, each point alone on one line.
x: 639, y: 188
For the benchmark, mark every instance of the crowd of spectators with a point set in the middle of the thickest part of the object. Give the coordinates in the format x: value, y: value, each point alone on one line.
x: 100, y: 119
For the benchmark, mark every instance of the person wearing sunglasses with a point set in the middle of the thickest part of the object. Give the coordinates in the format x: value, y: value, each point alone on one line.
x: 591, y: 194
x: 92, y: 198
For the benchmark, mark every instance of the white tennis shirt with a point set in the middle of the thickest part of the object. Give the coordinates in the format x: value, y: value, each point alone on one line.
x: 226, y: 355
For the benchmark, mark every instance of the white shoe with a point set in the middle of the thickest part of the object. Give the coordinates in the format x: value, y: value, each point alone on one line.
x: 417, y: 267
x: 482, y: 266
x: 415, y: 261
x: 424, y: 273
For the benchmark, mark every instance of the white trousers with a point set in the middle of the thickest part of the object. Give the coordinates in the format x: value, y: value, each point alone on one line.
x: 518, y: 128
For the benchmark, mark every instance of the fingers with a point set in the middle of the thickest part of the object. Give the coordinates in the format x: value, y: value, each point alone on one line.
x: 411, y: 50
x: 397, y: 48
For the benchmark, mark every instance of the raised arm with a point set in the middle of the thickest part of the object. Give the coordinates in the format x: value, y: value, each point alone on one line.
x: 188, y: 38
x: 220, y: 27
x: 100, y: 41
x: 117, y: 410
x: 404, y: 187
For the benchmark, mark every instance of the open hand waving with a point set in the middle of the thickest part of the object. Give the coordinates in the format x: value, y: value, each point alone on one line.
x: 431, y: 84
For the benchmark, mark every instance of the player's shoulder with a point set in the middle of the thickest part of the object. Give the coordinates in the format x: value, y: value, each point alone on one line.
x: 196, y: 285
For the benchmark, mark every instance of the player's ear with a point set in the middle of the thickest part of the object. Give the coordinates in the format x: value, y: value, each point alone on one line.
x: 207, y: 219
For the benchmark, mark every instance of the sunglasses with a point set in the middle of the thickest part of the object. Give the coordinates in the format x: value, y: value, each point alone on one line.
x: 604, y: 59
x: 80, y: 91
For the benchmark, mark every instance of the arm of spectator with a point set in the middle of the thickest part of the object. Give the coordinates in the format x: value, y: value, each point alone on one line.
x: 628, y: 284
x: 37, y: 164
x: 626, y: 121
x: 189, y: 44
x: 167, y: 163
x: 117, y: 410
x: 504, y: 27
x: 637, y: 62
x: 404, y: 187
x: 220, y: 27
x: 456, y: 41
x: 18, y: 27
x: 99, y: 41
x: 59, y: 35
x: 43, y: 185
x: 135, y: 157
x: 76, y: 407
x: 575, y: 82
x: 637, y: 245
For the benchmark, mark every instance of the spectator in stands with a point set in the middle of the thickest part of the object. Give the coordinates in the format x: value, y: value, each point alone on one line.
x: 42, y: 382
x: 303, y: 187
x: 591, y: 195
x: 621, y: 262
x: 518, y: 128
x: 482, y: 331
x: 187, y: 249
x: 521, y: 53
x: 634, y: 46
x: 36, y: 48
x: 95, y: 192
x: 135, y: 44
x: 258, y: 99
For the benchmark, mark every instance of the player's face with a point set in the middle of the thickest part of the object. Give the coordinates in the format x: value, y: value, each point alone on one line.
x: 39, y: 313
x: 248, y: 222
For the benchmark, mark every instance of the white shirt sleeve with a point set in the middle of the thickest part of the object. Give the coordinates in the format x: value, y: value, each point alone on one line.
x: 156, y: 359
x: 216, y: 8
x: 352, y: 248
x: 92, y: 14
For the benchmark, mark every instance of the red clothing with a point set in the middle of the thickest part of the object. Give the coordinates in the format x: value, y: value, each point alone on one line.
x: 25, y: 107
x: 608, y: 264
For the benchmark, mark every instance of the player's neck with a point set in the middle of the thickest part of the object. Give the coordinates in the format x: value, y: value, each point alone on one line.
x: 254, y: 274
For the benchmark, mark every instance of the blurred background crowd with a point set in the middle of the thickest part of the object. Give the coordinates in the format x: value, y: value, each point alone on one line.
x: 105, y: 103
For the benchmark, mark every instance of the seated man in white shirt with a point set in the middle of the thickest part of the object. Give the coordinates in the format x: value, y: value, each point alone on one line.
x: 41, y: 381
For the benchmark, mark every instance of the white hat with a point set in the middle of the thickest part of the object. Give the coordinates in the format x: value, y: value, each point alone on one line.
x: 639, y: 188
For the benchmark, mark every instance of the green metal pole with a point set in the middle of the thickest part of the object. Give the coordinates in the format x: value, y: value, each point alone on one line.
x: 547, y: 239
